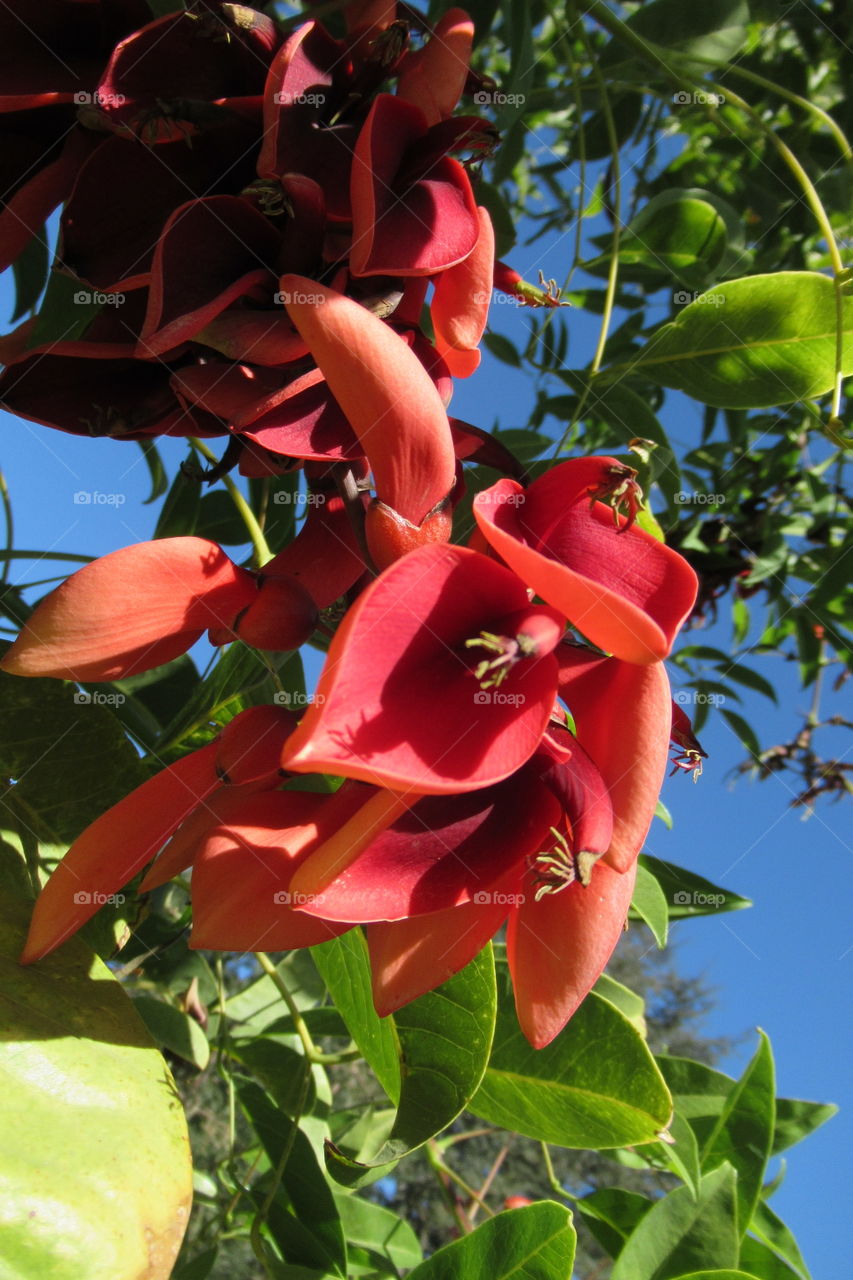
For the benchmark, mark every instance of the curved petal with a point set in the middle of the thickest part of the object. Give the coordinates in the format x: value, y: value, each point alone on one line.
x: 386, y: 393
x: 398, y: 703
x: 622, y: 715
x: 433, y: 77
x: 625, y: 591
x: 460, y: 303
x: 115, y: 847
x: 242, y: 873
x: 324, y: 555
x: 558, y: 947
x: 410, y: 957
x: 131, y: 610
x: 446, y: 850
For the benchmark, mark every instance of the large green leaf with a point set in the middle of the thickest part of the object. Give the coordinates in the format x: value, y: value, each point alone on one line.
x: 675, y: 233
x: 345, y: 968
x: 595, y: 1086
x: 772, y: 1231
x: 752, y: 343
x: 650, y: 904
x: 443, y: 1041
x: 680, y: 1234
x: 743, y: 1134
x: 95, y: 1175
x: 533, y: 1243
x: 611, y: 1214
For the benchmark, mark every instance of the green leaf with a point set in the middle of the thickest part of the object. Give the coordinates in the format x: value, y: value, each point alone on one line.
x: 743, y: 1134
x: 502, y: 348
x: 751, y: 679
x: 683, y: 1154
x: 278, y: 1067
x: 67, y: 310
x: 179, y: 513
x: 30, y: 271
x: 771, y: 1230
x: 386, y: 1237
x: 533, y: 1243
x: 674, y: 233
x: 308, y: 1229
x: 68, y: 757
x: 611, y: 1214
x: 752, y: 343
x: 220, y: 521
x: 727, y: 1274
x: 174, y: 1030
x: 95, y: 1171
x: 444, y: 1040
x: 156, y: 470
x: 650, y: 904
x: 629, y: 1004
x: 680, y: 1233
x: 692, y: 37
x: 595, y: 1086
x: 344, y: 966
x: 743, y: 730
x: 762, y: 1262
x: 796, y: 1119
x: 689, y: 894
x: 240, y: 678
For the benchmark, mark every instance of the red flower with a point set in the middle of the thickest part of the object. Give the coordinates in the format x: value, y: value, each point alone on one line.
x: 440, y: 679
x: 621, y: 588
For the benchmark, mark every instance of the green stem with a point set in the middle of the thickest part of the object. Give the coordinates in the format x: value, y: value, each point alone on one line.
x: 312, y: 1053
x: 247, y: 515
x: 553, y: 1181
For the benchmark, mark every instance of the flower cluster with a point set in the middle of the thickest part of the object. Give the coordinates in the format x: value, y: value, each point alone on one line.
x: 499, y: 712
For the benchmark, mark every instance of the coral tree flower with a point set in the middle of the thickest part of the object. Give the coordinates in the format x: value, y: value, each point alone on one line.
x: 441, y: 678
x: 623, y: 590
x: 139, y: 607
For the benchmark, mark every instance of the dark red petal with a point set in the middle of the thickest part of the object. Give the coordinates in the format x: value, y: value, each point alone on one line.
x: 115, y: 847
x: 325, y: 554
x: 210, y: 253
x: 446, y: 850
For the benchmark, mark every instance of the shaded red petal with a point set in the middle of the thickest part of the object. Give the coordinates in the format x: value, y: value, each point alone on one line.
x: 115, y: 847
x: 398, y: 704
x: 301, y: 420
x: 210, y: 252
x: 242, y: 873
x: 408, y: 218
x: 325, y: 554
x: 131, y: 610
x: 460, y: 303
x: 446, y: 850
x: 558, y: 947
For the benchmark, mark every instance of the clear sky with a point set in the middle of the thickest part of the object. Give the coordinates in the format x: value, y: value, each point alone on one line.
x: 786, y: 965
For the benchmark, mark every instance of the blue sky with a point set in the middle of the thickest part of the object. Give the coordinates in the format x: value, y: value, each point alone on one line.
x: 786, y: 965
